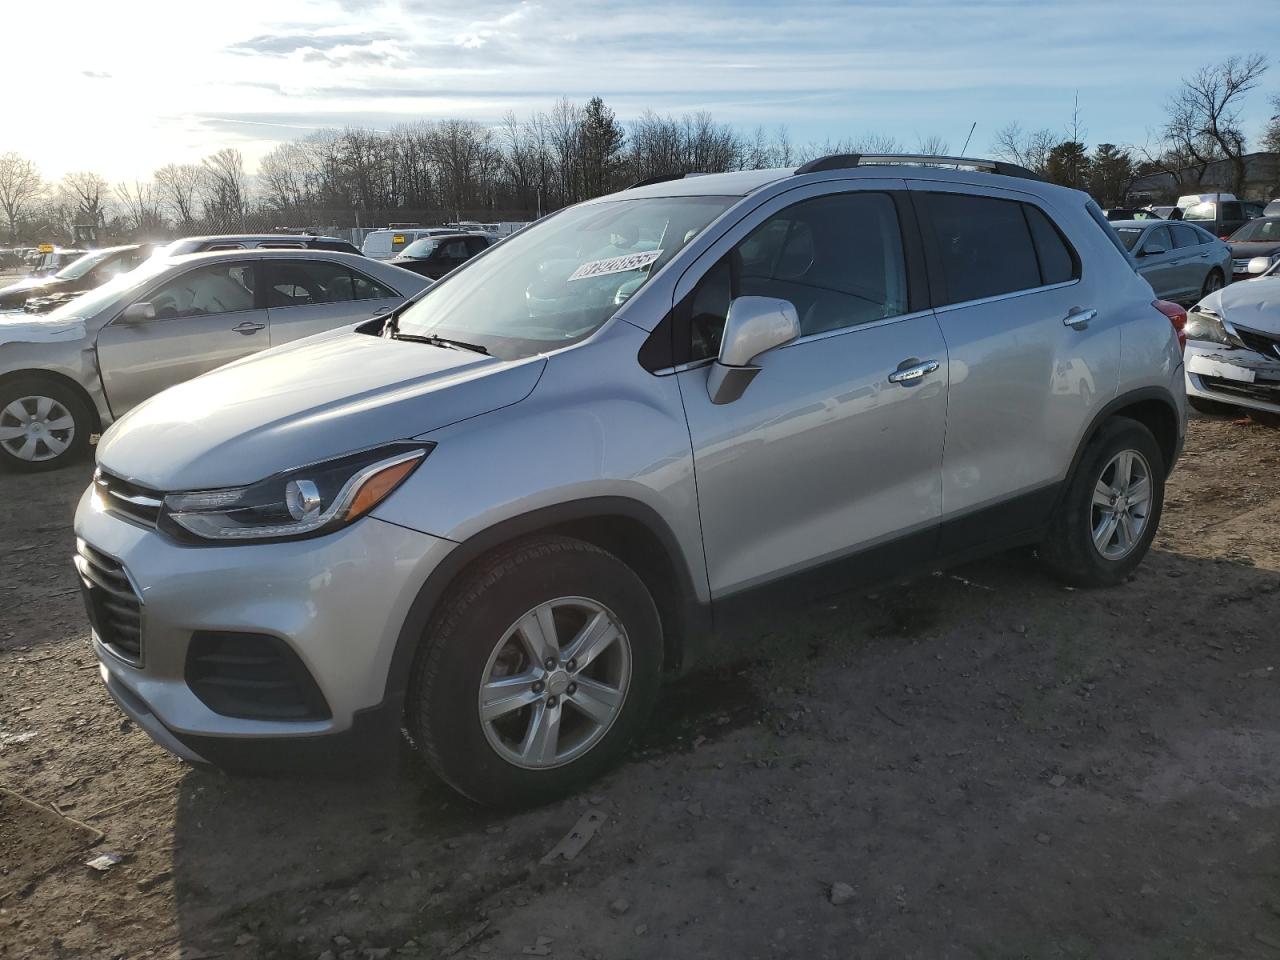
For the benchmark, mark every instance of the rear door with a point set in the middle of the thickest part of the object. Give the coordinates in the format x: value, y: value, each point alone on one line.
x: 1192, y: 257
x: 312, y: 295
x: 1022, y: 379
x: 206, y: 316
x: 1156, y: 256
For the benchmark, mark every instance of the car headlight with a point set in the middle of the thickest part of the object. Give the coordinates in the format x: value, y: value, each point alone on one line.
x: 303, y: 502
x: 1204, y: 324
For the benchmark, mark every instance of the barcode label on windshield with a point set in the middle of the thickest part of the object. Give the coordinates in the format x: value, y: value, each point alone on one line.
x: 632, y: 261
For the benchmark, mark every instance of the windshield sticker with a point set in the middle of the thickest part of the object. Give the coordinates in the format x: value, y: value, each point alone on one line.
x: 632, y: 261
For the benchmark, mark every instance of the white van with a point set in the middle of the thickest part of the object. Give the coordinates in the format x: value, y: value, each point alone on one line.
x: 385, y: 244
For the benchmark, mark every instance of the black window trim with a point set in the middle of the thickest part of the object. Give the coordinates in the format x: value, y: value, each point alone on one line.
x: 933, y: 257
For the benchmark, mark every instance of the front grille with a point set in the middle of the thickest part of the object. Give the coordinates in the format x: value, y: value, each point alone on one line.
x: 126, y: 499
x: 114, y: 608
x: 1268, y: 393
x: 1264, y: 343
x: 252, y: 676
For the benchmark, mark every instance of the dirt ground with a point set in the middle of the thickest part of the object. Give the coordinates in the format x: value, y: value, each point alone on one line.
x: 995, y: 766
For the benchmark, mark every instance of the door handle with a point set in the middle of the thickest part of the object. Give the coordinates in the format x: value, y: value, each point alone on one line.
x: 247, y: 327
x: 1078, y: 318
x: 914, y: 372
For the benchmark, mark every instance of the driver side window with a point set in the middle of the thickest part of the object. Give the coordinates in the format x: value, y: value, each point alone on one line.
x: 838, y: 259
x: 206, y: 291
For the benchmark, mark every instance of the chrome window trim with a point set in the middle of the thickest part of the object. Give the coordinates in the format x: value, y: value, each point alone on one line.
x: 1005, y: 296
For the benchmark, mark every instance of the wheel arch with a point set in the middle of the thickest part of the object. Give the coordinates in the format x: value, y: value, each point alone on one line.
x: 1154, y: 408
x: 37, y: 373
x: 628, y: 529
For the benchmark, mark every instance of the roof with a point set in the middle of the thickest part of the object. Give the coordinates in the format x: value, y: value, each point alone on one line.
x: 263, y: 236
x: 279, y: 253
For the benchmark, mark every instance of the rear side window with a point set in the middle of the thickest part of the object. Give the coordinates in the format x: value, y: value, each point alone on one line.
x: 297, y: 283
x: 983, y: 244
x: 1185, y: 236
x: 1057, y: 262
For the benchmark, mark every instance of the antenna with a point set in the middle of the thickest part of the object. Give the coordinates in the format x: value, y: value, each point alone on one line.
x: 968, y: 138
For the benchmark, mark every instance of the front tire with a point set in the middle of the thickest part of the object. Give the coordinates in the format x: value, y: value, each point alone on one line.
x: 537, y: 670
x: 44, y: 424
x: 1110, y: 509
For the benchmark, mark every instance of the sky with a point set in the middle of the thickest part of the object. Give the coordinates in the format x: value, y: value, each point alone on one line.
x: 125, y: 86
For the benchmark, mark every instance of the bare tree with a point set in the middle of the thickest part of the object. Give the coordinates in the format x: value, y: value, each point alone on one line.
x: 90, y: 193
x: 141, y: 204
x: 1203, y: 116
x: 223, y: 192
x: 177, y: 185
x: 1029, y: 149
x: 932, y: 146
x: 20, y: 188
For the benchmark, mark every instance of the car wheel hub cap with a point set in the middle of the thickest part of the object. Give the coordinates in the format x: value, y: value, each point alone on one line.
x: 1121, y: 504
x: 36, y: 428
x: 555, y: 683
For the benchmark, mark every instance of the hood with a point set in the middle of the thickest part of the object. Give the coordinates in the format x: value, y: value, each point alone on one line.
x: 315, y: 399
x: 1251, y: 303
x: 25, y: 287
x: 20, y: 327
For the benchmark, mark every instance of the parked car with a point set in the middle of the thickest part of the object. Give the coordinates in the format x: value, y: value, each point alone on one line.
x: 385, y: 244
x: 44, y: 263
x: 1131, y: 213
x: 257, y: 241
x: 1233, y: 346
x: 1272, y: 209
x: 435, y: 256
x: 498, y: 516
x: 1257, y: 238
x: 1162, y: 211
x: 1222, y: 217
x: 1182, y: 262
x: 84, y: 273
x: 68, y: 374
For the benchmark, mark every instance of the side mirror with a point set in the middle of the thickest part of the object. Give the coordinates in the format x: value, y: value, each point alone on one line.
x: 1152, y: 249
x: 138, y: 313
x: 754, y: 326
x: 1259, y: 265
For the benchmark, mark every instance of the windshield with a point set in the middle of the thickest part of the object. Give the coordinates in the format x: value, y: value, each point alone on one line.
x: 78, y: 268
x: 1259, y: 231
x: 1129, y: 236
x: 557, y: 282
x: 93, y: 301
x: 419, y: 248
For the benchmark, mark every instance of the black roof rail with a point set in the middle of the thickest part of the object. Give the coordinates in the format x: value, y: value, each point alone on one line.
x: 844, y: 161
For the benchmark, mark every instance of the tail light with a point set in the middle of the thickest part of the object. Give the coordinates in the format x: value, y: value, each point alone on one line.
x: 1177, y: 316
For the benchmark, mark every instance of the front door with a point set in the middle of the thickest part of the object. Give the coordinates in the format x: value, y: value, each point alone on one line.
x: 1156, y: 264
x: 824, y: 458
x: 306, y: 296
x: 205, y: 317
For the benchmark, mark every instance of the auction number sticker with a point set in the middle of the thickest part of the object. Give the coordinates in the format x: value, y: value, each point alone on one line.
x: 631, y: 261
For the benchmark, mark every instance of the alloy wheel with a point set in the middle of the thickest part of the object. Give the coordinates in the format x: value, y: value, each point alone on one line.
x: 555, y: 683
x: 36, y: 429
x: 1121, y: 504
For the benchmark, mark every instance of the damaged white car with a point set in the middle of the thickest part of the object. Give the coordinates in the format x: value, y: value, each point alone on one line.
x: 1233, y: 345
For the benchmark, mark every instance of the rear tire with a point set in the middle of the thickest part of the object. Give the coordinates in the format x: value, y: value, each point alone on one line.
x: 1111, y: 508
x: 44, y: 424
x: 1214, y: 281
x: 503, y: 642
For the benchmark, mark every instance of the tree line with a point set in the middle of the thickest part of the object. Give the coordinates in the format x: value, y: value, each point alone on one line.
x: 517, y: 169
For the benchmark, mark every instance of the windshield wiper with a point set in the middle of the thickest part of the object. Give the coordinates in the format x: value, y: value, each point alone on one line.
x: 437, y: 341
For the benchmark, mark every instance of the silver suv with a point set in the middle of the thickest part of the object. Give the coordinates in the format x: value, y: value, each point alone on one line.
x: 498, y: 518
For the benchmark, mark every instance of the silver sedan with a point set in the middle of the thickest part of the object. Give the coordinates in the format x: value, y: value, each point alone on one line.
x: 68, y: 374
x: 1182, y: 262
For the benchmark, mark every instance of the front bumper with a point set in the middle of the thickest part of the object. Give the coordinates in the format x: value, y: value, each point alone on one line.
x: 337, y: 602
x: 1237, y: 376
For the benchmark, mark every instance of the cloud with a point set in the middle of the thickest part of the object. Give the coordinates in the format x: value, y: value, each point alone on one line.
x: 280, y: 45
x: 96, y: 74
